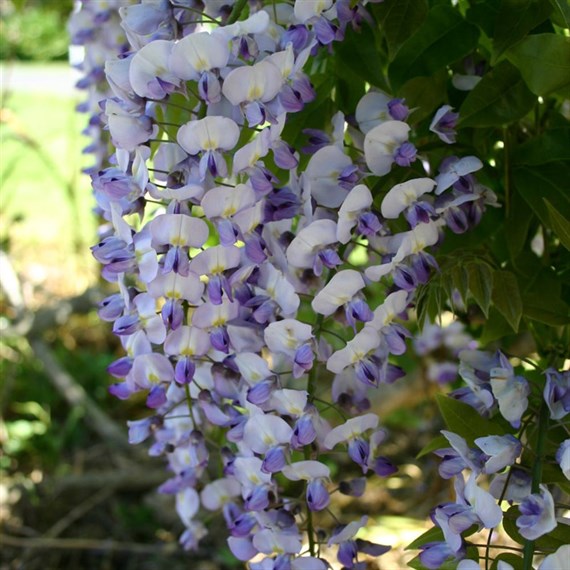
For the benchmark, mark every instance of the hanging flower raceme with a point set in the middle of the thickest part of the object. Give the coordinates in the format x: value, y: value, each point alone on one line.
x: 235, y: 240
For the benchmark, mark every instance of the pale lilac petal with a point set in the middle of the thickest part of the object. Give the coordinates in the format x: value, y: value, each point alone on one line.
x: 216, y: 494
x: 403, y: 195
x: 380, y: 144
x: 301, y: 252
x: 355, y: 350
x: 306, y: 470
x: 209, y: 133
x: 321, y: 176
x: 263, y: 431
x: 357, y: 200
x: 339, y: 290
x: 198, y: 52
x: 179, y: 230
x: 259, y: 82
x: 372, y: 110
x: 352, y: 428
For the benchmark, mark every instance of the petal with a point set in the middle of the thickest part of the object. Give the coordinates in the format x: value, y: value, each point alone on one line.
x: 340, y: 290
x: 198, y: 52
x: 402, y: 195
x: 380, y: 144
x: 209, y: 133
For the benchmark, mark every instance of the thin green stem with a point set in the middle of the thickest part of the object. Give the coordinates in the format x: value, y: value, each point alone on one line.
x: 188, y: 398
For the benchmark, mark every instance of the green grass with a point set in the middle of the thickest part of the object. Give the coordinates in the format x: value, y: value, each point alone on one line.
x: 45, y: 201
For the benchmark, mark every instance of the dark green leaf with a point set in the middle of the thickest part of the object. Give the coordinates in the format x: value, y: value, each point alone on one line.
x: 465, y: 421
x: 517, y: 224
x: 546, y: 182
x: 484, y: 15
x: 500, y: 98
x: 515, y: 19
x: 359, y: 53
x: 399, y: 20
x: 460, y: 280
x: 495, y: 327
x: 510, y: 526
x: 438, y: 442
x: 552, y: 146
x: 559, y: 224
x: 424, y: 94
x: 546, y: 310
x: 480, y: 284
x: 544, y: 62
x: 507, y: 298
x: 443, y: 38
x: 561, y: 14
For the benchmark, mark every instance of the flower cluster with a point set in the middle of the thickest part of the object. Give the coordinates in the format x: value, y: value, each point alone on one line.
x: 439, y: 348
x: 494, y: 390
x: 95, y: 25
x: 261, y: 289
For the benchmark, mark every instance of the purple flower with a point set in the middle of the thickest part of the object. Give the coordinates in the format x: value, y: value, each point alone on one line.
x: 318, y: 497
x: 398, y: 110
x: 537, y: 515
x: 434, y: 554
x: 444, y: 123
x: 557, y: 393
x: 405, y: 154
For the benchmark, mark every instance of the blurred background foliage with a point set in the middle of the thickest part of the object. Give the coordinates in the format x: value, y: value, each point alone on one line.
x: 34, y: 29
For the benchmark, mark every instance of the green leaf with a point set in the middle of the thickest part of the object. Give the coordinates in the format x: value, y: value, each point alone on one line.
x: 500, y: 98
x: 544, y: 62
x: 543, y: 183
x: 430, y: 301
x: 424, y: 94
x: 552, y: 146
x: 561, y: 13
x: 480, y: 284
x: 465, y: 421
x: 399, y: 20
x: 443, y: 38
x: 517, y: 224
x: 460, y: 280
x: 515, y: 19
x: 495, y: 327
x: 559, y: 224
x: 484, y: 15
x: 436, y: 443
x: 546, y: 310
x: 359, y: 53
x: 507, y: 298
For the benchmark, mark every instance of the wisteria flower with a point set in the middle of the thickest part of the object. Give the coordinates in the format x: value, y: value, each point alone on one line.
x: 388, y: 143
x: 209, y: 136
x: 537, y: 515
x: 444, y: 123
